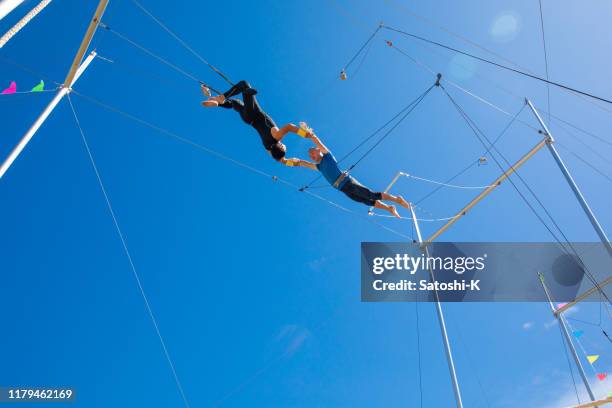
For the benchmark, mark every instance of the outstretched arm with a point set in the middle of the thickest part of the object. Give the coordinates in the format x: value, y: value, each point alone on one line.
x: 319, y: 144
x: 295, y: 162
x: 278, y: 134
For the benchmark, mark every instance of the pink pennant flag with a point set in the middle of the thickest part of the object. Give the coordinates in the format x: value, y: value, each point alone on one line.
x: 560, y: 305
x: 602, y: 376
x: 11, y: 89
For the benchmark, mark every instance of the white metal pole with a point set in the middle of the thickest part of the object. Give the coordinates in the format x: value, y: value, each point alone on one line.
x: 567, y: 336
x: 571, y: 182
x: 43, y: 116
x: 23, y: 22
x: 6, y: 6
x: 447, y: 347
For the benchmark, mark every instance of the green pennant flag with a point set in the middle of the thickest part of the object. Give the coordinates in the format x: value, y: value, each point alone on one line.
x: 40, y: 87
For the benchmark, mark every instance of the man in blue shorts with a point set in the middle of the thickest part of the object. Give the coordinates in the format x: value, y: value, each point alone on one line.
x: 326, y: 163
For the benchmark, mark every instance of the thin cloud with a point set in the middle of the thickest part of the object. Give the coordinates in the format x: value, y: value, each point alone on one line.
x: 568, y: 398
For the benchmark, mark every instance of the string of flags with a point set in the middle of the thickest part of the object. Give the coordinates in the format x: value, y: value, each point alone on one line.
x: 12, y: 88
x: 591, y: 358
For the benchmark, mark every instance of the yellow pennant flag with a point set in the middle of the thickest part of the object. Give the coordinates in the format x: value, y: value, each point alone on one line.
x: 593, y: 358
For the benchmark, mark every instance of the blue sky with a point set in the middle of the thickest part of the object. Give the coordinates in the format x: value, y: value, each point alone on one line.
x: 255, y: 286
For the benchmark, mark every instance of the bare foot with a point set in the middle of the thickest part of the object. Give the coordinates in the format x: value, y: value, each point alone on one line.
x: 210, y: 103
x: 402, y: 201
x: 393, y: 211
x: 214, y: 101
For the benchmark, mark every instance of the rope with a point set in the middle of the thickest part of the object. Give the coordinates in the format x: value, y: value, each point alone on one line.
x: 445, y: 184
x: 472, y: 164
x: 460, y: 88
x: 517, y: 71
x: 23, y: 22
x: 480, y: 135
x: 154, y: 55
x: 580, y: 345
x: 601, y: 139
x: 362, y: 47
x: 545, y: 56
x: 373, y: 214
x: 438, y: 26
x: 182, y: 42
x: 364, y: 141
x: 418, y: 101
x: 138, y: 72
x: 402, y: 7
x: 129, y: 257
x: 496, y: 107
x: 587, y: 146
x: 225, y: 157
x: 470, y: 359
x: 583, y: 160
x: 361, y: 62
x: 418, y: 336
x: 29, y: 70
x: 363, y: 26
x: 526, y: 124
x: 31, y: 92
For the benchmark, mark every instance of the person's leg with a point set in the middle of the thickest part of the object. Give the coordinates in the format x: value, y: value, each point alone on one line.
x: 232, y: 103
x: 358, y: 192
x: 396, y: 199
x: 238, y: 88
x: 218, y: 100
x: 387, y: 207
x: 249, y: 99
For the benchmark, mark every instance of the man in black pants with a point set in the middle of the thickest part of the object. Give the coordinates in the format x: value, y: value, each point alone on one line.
x: 252, y: 114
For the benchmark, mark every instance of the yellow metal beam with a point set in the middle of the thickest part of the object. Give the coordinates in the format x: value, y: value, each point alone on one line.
x: 582, y: 297
x: 488, y: 190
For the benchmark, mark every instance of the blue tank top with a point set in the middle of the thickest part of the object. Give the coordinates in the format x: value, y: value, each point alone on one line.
x: 328, y: 166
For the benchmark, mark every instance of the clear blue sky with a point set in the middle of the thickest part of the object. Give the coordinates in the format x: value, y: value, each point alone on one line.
x: 256, y: 286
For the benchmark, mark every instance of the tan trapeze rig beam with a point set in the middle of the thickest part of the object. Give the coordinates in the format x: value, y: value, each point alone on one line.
x: 488, y: 190
x: 598, y: 403
x: 582, y: 297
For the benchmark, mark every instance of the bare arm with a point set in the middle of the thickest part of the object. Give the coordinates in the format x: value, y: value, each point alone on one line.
x: 318, y: 143
x: 278, y: 134
x: 295, y: 162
